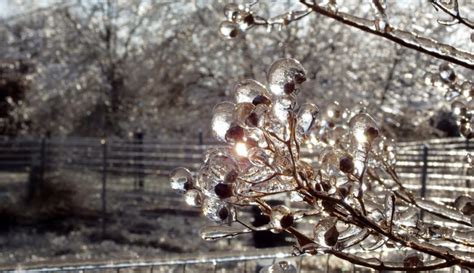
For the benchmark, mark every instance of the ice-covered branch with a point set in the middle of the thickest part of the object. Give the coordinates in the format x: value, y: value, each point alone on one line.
x: 241, y: 19
x: 405, y: 38
x: 264, y: 131
x: 451, y: 9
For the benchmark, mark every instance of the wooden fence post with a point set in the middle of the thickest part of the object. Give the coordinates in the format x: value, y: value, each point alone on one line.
x: 424, y: 175
x: 467, y: 170
x: 103, y: 142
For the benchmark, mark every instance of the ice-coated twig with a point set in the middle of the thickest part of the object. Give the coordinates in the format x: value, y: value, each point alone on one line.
x: 401, y: 37
x: 452, y: 11
x: 345, y: 214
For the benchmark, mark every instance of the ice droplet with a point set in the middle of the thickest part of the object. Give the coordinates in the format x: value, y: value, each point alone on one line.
x: 242, y: 112
x: 285, y: 76
x: 193, y: 198
x: 231, y: 10
x: 446, y: 72
x: 245, y: 19
x: 281, y: 218
x: 181, y: 179
x: 363, y: 128
x: 222, y: 119
x: 325, y: 232
x: 229, y: 29
x: 217, y: 211
x: 248, y: 90
x: 306, y: 116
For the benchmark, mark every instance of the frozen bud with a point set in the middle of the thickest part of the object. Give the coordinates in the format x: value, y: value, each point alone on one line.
x: 234, y: 134
x: 245, y: 19
x: 363, y: 128
x: 413, y: 260
x: 223, y: 190
x: 446, y: 72
x: 221, y: 165
x: 217, y: 210
x: 346, y: 164
x: 231, y: 11
x: 222, y: 119
x: 467, y: 89
x: 331, y: 236
x: 181, y: 179
x: 371, y: 133
x: 257, y: 117
x: 325, y: 232
x: 466, y: 128
x: 193, y: 198
x: 465, y: 204
x: 285, y: 76
x: 242, y: 112
x: 229, y: 29
x: 306, y: 117
x: 261, y: 99
x: 281, y: 218
x: 249, y: 90
x: 252, y: 120
x: 223, y: 213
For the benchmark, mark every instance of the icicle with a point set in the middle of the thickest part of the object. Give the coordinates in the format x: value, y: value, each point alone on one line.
x: 444, y: 211
x: 211, y: 233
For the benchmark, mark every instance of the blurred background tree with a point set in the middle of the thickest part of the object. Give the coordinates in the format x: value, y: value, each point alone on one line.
x: 114, y: 67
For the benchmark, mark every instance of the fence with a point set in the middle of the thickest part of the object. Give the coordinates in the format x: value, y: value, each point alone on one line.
x: 431, y: 160
x: 249, y: 261
x: 436, y: 169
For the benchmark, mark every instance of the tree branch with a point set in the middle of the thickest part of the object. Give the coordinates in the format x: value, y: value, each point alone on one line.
x: 404, y: 38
